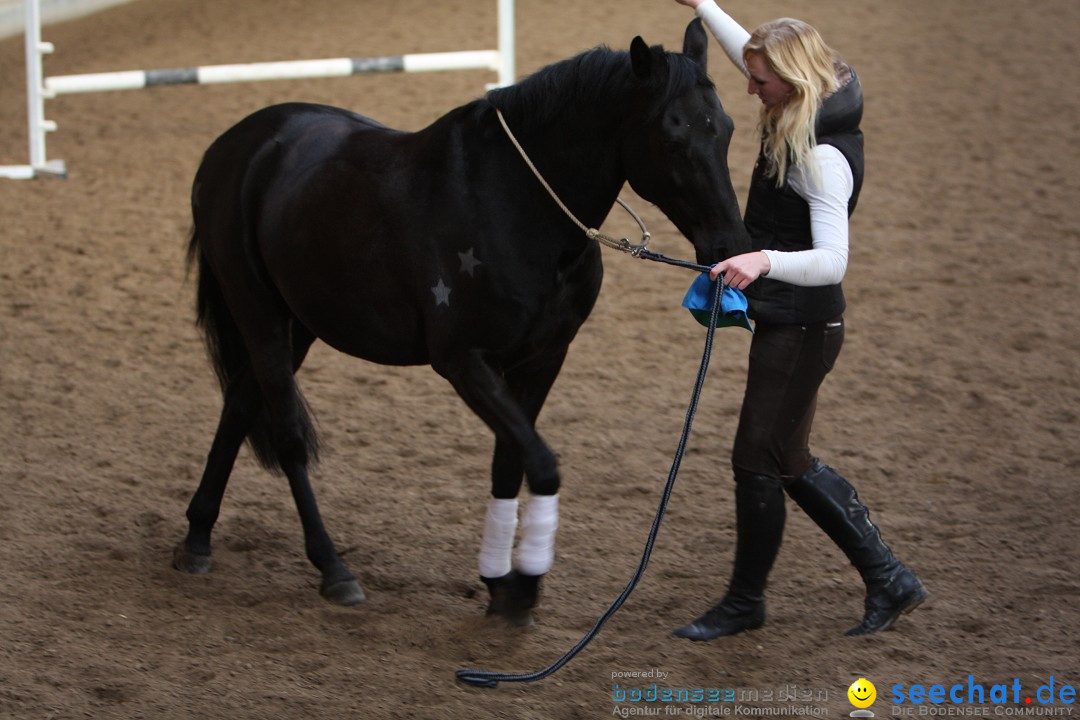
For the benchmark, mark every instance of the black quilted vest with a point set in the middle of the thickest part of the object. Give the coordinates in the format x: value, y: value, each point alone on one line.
x: 778, y: 219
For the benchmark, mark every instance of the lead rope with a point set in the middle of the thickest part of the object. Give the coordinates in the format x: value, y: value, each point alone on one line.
x: 592, y: 233
x: 487, y: 679
x: 639, y: 250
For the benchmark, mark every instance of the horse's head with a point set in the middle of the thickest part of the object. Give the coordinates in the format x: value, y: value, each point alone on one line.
x: 675, y: 152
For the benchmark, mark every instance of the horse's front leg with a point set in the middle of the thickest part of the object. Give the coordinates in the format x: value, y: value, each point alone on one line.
x: 510, y: 404
x: 515, y: 586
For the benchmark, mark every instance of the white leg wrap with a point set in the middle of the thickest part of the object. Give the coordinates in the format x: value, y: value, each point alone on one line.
x: 536, y: 552
x: 499, y: 529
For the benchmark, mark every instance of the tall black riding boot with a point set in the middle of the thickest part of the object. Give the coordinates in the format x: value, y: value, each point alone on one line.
x: 891, y: 588
x: 759, y: 519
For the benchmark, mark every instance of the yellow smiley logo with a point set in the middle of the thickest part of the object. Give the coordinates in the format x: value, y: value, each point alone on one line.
x: 862, y: 693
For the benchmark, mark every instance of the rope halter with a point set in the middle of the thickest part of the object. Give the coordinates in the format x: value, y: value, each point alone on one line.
x: 622, y: 244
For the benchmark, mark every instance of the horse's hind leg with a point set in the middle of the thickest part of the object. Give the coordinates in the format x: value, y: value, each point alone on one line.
x: 292, y: 440
x: 241, y: 405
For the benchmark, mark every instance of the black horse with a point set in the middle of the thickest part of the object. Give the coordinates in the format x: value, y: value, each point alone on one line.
x: 440, y: 247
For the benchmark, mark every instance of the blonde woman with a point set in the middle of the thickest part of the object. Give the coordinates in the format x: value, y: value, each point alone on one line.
x: 804, y: 187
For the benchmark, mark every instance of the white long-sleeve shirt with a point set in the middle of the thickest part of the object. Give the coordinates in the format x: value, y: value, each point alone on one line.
x: 826, y: 191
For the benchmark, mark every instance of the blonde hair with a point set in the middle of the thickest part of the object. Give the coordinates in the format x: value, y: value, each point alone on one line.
x: 794, y: 51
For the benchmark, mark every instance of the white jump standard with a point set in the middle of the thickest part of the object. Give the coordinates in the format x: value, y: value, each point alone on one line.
x: 288, y: 70
x: 40, y: 88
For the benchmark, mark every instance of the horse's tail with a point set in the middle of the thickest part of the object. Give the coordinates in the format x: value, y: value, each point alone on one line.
x: 230, y: 359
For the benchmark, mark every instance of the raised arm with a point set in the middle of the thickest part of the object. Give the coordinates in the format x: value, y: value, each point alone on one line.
x: 730, y: 34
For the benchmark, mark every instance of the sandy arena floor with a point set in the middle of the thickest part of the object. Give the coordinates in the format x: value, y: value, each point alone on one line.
x: 954, y: 407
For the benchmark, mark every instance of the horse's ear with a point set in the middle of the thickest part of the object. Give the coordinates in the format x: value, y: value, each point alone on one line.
x: 641, y: 58
x: 695, y: 43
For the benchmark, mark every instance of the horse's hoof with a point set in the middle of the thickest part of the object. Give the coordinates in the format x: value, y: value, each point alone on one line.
x: 344, y: 592
x: 513, y: 596
x: 190, y: 562
x: 522, y: 618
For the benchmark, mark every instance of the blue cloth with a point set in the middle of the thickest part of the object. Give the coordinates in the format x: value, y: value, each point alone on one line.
x: 698, y: 301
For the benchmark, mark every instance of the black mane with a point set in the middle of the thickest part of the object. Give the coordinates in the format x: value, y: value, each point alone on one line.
x: 594, y: 78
